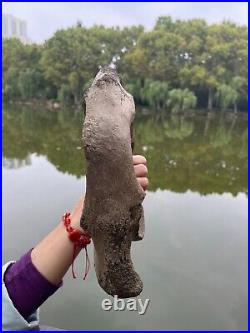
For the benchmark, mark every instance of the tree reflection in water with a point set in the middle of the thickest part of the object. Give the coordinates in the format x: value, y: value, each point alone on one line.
x: 202, y: 153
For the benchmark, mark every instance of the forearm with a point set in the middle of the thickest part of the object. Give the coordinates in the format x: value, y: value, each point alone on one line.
x: 39, y: 273
x: 54, y: 254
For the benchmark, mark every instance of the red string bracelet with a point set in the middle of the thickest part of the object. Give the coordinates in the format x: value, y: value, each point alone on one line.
x: 80, y: 239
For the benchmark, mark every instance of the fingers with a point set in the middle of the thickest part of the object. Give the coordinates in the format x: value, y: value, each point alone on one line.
x: 143, y: 181
x: 140, y: 170
x: 139, y: 159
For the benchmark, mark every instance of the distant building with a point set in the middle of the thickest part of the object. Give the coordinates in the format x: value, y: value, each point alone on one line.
x: 14, y: 27
x: 16, y: 163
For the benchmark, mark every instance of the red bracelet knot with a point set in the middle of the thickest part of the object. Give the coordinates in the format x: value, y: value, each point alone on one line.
x: 80, y: 239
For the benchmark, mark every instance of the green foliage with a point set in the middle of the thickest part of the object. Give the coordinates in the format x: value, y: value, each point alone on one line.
x: 155, y: 93
x: 30, y: 83
x: 134, y: 88
x: 178, y: 128
x: 64, y: 94
x: 181, y: 100
x: 22, y: 75
x: 226, y: 96
x: 180, y: 155
x: 221, y: 138
x: 175, y: 56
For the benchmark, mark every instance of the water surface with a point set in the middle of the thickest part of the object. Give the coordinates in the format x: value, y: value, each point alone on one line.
x: 193, y: 259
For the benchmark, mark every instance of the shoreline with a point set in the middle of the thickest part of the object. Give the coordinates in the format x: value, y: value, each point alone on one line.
x: 142, y: 109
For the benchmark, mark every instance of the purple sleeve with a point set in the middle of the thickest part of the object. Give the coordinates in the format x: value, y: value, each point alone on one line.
x: 26, y: 286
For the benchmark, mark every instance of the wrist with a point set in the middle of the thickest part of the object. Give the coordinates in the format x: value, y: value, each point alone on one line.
x: 76, y: 214
x: 79, y: 238
x: 75, y: 222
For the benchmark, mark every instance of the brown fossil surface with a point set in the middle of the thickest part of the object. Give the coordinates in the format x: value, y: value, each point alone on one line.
x: 113, y: 212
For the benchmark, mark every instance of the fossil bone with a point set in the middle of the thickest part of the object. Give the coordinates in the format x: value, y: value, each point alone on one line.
x: 113, y: 212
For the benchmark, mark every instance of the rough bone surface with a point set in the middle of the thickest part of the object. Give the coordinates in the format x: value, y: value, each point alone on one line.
x: 113, y: 212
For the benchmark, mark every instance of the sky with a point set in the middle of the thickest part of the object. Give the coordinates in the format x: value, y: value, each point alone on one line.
x: 45, y: 18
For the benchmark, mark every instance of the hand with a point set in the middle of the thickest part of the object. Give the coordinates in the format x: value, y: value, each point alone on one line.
x: 53, y: 255
x: 141, y: 172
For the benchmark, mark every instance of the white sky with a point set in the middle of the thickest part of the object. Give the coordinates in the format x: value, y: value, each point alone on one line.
x: 45, y: 18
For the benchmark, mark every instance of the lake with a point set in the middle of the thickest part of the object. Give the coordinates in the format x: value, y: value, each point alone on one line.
x: 193, y: 259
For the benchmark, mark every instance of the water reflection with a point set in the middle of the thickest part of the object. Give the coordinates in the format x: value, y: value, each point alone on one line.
x: 193, y: 259
x: 206, y: 154
x: 15, y: 163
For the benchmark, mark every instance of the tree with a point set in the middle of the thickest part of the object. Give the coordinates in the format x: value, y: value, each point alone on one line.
x: 228, y: 95
x: 155, y: 93
x: 208, y: 60
x: 22, y: 76
x: 181, y: 100
x: 64, y: 94
x: 220, y: 57
x: 133, y: 86
x: 239, y: 84
x: 72, y: 56
x: 30, y: 84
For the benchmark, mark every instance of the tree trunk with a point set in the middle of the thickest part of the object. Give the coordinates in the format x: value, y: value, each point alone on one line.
x: 210, y: 99
x: 75, y: 98
x: 207, y: 124
x: 142, y: 82
x: 233, y: 122
x: 235, y: 107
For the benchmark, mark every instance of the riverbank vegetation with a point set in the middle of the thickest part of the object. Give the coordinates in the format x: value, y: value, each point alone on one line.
x: 175, y: 66
x: 205, y: 153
